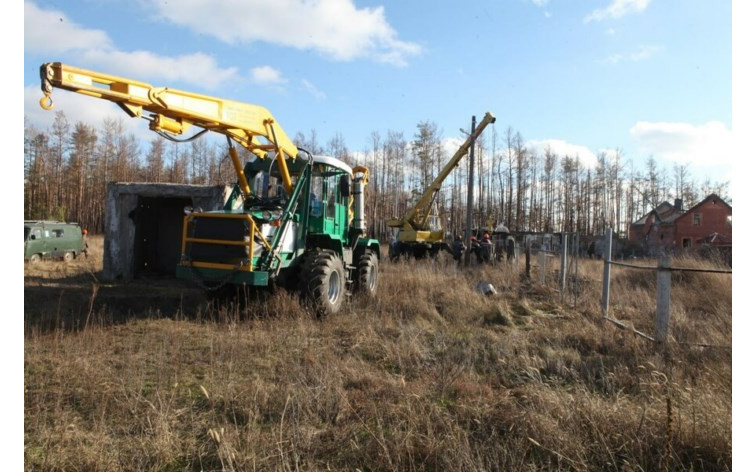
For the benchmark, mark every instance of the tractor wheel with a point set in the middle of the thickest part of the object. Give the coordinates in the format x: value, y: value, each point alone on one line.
x: 68, y: 256
x: 322, y: 281
x: 367, y: 274
x: 35, y: 258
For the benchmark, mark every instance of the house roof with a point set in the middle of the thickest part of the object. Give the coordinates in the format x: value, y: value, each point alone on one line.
x: 713, y: 196
x: 665, y: 212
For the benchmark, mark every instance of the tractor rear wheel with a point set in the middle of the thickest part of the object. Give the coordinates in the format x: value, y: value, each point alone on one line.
x: 322, y: 281
x: 367, y: 274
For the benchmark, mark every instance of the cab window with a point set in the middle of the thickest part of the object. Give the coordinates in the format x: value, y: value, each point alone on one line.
x: 332, y: 187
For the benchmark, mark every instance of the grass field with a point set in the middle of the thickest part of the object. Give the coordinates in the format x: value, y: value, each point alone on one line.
x: 430, y: 375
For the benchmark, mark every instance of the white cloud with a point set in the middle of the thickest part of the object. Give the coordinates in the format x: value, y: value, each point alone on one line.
x: 267, y: 75
x: 540, y: 3
x: 313, y: 90
x: 641, y: 54
x: 562, y: 148
x: 335, y: 28
x: 197, y: 69
x: 617, y: 9
x: 708, y: 145
x: 50, y: 31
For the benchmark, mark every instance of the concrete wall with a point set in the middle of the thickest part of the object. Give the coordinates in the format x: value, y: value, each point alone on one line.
x: 121, y: 219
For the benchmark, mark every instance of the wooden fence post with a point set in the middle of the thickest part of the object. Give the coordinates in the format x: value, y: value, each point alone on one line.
x: 607, y: 272
x: 663, y: 290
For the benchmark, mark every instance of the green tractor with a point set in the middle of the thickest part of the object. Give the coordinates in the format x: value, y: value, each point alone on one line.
x: 292, y: 219
x: 312, y: 241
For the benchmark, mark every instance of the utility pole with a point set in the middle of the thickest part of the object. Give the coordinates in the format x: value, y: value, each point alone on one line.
x: 470, y: 182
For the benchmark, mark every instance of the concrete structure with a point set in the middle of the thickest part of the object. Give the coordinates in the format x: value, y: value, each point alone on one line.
x: 144, y: 224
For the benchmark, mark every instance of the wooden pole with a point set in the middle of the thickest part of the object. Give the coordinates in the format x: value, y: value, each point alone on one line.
x: 470, y: 182
x: 607, y: 272
x: 663, y: 290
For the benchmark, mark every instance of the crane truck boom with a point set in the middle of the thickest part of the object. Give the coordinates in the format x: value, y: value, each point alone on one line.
x: 419, y: 232
x: 309, y: 236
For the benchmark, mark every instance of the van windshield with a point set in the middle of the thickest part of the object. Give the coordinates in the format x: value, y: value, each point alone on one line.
x: 27, y: 230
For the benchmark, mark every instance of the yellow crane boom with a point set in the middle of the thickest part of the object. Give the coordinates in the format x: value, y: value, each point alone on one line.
x: 413, y: 226
x: 176, y: 111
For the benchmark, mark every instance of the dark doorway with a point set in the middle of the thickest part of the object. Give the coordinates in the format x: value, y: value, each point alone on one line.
x: 158, y: 224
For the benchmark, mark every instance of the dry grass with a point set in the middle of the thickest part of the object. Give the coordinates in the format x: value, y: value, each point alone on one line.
x: 430, y: 376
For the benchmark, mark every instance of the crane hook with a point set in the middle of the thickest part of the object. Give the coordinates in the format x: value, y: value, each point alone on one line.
x: 46, y: 102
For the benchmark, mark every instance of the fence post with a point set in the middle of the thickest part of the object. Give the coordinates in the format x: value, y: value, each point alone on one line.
x: 607, y: 271
x: 527, y: 260
x: 563, y: 270
x: 542, y: 266
x: 576, y: 257
x: 663, y: 290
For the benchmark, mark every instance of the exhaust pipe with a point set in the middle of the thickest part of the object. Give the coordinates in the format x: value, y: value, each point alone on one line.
x: 359, y: 183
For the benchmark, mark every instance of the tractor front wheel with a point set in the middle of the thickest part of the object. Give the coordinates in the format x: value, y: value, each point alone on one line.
x: 322, y: 281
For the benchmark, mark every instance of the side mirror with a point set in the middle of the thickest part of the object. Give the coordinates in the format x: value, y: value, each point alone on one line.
x: 32, y: 237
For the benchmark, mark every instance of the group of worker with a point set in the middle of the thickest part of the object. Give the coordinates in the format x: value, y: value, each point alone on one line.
x: 483, y: 250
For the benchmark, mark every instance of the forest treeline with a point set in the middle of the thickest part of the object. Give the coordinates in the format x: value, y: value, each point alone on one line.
x: 67, y: 168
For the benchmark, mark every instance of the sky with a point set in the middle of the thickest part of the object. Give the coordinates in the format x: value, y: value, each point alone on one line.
x: 645, y: 77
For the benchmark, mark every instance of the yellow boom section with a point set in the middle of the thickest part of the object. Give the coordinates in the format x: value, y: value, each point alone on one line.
x: 175, y: 111
x: 416, y: 218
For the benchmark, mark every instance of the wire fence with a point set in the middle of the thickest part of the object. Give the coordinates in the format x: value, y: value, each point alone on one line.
x: 663, y: 271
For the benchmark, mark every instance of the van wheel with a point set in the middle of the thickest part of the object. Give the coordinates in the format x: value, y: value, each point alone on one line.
x: 322, y: 281
x: 68, y: 256
x: 34, y: 258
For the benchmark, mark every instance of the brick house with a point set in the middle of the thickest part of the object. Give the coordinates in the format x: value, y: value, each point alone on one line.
x: 709, y: 222
x: 655, y: 231
x: 667, y: 227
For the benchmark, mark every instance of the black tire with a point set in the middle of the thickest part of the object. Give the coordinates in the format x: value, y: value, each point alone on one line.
x: 35, y: 258
x: 322, y: 281
x: 68, y: 256
x: 367, y: 274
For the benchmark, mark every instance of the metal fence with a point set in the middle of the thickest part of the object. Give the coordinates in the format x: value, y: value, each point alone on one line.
x: 568, y: 253
x: 664, y: 271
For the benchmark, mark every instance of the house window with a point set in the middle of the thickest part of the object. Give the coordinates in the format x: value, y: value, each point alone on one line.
x: 686, y: 242
x: 696, y: 219
x: 729, y: 220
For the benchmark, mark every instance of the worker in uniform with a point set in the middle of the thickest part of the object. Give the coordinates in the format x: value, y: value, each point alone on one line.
x: 485, y: 249
x: 86, y: 243
x: 475, y: 248
x: 458, y: 248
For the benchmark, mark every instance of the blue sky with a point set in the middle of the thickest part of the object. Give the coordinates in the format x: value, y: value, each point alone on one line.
x: 648, y: 77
